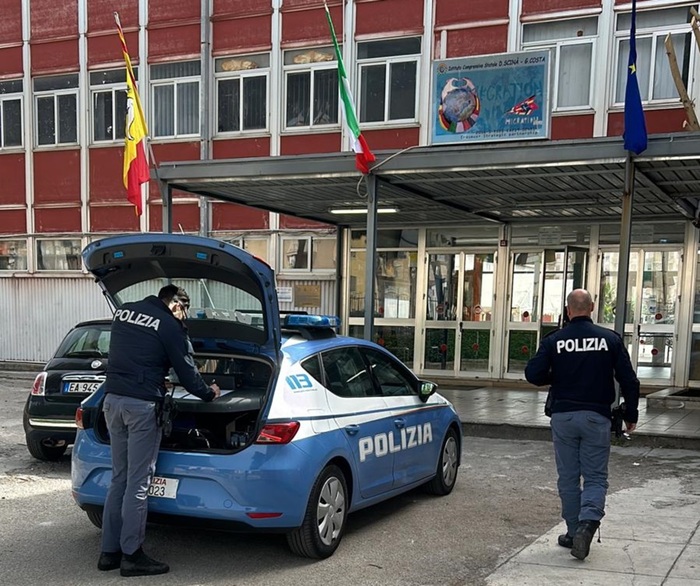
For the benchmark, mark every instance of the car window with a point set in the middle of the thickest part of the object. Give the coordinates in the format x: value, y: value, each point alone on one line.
x: 392, y: 377
x: 313, y: 367
x: 85, y: 342
x: 346, y: 373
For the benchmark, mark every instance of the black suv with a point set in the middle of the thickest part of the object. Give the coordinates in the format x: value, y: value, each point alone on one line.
x: 75, y: 371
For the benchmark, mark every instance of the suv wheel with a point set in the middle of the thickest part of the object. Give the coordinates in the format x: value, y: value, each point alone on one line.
x: 43, y: 450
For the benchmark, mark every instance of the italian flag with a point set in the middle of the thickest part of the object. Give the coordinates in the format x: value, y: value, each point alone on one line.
x: 363, y: 156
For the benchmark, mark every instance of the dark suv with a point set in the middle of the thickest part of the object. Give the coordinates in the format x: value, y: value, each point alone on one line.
x: 76, y: 370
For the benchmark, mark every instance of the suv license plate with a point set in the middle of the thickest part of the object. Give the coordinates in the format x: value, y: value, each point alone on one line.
x: 163, y: 487
x: 78, y: 387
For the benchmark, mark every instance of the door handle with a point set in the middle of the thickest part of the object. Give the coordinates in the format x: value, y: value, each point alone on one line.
x: 400, y: 422
x: 639, y: 330
x: 352, y: 429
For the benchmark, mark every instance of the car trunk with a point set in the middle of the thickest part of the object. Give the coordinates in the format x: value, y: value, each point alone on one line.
x: 226, y: 424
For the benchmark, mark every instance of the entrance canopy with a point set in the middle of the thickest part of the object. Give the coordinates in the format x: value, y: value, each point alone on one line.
x: 561, y: 181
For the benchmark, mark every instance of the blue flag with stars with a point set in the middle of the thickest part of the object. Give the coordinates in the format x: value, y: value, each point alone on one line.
x: 635, y: 127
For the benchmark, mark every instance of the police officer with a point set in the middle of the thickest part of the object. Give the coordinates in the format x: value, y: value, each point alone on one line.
x: 580, y: 362
x: 146, y: 340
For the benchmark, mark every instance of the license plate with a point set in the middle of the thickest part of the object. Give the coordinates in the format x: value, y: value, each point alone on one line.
x: 163, y: 487
x: 78, y: 387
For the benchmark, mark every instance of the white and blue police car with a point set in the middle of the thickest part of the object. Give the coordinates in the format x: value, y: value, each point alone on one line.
x: 310, y: 426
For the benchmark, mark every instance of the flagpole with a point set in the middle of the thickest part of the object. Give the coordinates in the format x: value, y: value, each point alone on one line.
x: 625, y: 245
x: 371, y: 254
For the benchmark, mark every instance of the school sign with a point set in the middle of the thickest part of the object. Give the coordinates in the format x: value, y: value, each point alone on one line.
x: 491, y: 98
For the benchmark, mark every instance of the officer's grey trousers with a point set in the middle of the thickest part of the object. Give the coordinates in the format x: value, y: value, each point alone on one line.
x: 582, y: 450
x: 135, y: 438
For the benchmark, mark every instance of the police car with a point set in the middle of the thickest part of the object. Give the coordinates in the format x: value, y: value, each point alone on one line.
x: 310, y: 425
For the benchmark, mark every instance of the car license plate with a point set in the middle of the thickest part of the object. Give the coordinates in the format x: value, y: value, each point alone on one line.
x: 80, y: 387
x: 163, y: 487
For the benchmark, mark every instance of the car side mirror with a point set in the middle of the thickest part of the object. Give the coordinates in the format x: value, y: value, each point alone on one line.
x: 426, y: 389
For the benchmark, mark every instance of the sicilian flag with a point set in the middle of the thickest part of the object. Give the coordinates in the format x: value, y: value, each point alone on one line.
x: 135, y: 132
x: 363, y: 156
x: 635, y: 134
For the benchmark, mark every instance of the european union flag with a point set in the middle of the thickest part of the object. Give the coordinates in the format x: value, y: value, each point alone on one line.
x: 635, y: 127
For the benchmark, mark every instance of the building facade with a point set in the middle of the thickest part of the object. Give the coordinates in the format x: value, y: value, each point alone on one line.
x: 222, y: 79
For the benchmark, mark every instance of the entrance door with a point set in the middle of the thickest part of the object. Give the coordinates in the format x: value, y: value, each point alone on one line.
x: 540, y: 281
x: 650, y: 320
x: 459, y: 313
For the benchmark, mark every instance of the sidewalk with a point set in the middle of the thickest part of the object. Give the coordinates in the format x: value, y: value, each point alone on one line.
x: 658, y: 546
x: 519, y: 414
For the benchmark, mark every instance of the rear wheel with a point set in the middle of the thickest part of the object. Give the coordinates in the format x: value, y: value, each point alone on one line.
x: 446, y: 476
x: 44, y: 450
x: 324, y: 521
x: 95, y: 516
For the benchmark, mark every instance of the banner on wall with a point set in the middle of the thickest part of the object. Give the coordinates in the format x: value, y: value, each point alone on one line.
x: 491, y: 98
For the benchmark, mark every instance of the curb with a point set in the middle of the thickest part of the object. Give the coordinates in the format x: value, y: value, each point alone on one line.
x: 533, y: 433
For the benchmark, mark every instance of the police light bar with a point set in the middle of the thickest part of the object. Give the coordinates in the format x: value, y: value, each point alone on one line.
x: 311, y: 321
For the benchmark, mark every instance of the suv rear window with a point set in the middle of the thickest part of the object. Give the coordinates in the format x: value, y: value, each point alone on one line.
x: 85, y: 342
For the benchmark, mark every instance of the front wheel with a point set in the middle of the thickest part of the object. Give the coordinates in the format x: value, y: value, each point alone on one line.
x: 324, y: 521
x: 446, y: 475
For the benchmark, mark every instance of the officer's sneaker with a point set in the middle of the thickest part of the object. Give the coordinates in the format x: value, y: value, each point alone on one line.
x: 139, y: 564
x: 566, y: 540
x: 582, y: 538
x: 109, y: 560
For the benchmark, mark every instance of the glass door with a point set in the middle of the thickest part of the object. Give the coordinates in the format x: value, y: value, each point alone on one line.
x: 540, y: 282
x: 650, y: 320
x: 459, y: 313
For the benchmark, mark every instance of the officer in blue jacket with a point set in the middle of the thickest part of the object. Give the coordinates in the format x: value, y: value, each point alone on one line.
x: 147, y: 338
x: 580, y: 363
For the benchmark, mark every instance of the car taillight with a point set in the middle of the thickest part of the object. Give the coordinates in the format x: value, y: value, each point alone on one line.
x: 79, y: 418
x: 39, y: 386
x: 278, y: 433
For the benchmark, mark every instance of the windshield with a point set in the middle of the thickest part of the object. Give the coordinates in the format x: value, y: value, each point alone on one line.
x: 209, y: 299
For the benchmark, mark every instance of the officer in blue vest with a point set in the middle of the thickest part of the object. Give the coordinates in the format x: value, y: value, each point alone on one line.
x: 147, y: 338
x: 580, y: 363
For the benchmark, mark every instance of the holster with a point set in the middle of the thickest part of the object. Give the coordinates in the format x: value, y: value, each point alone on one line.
x: 617, y: 417
x: 166, y: 414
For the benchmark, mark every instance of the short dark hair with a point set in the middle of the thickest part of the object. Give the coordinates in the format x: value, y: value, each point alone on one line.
x: 170, y: 292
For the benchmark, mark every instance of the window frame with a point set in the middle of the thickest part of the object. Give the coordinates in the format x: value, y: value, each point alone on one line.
x: 399, y: 368
x: 55, y: 94
x: 174, y: 82
x: 310, y: 68
x: 240, y: 76
x: 556, y: 45
x: 657, y: 34
x: 37, y: 246
x: 112, y: 88
x: 5, y: 245
x: 15, y: 96
x: 388, y: 61
x: 311, y: 268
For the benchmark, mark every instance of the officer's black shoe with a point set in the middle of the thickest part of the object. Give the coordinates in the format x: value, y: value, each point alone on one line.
x: 566, y: 540
x: 109, y: 560
x: 139, y: 564
x: 583, y: 537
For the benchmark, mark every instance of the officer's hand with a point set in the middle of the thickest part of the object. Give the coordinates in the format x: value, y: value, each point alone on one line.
x: 217, y: 391
x: 630, y: 427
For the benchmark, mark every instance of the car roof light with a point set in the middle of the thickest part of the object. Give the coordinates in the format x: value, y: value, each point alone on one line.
x: 39, y: 386
x: 311, y: 321
x: 278, y: 433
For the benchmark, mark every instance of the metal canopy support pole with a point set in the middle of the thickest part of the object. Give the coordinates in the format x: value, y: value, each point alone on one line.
x: 167, y: 196
x: 371, y: 253
x: 625, y: 241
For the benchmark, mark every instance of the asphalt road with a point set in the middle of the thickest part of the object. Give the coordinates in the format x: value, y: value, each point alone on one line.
x: 505, y: 498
